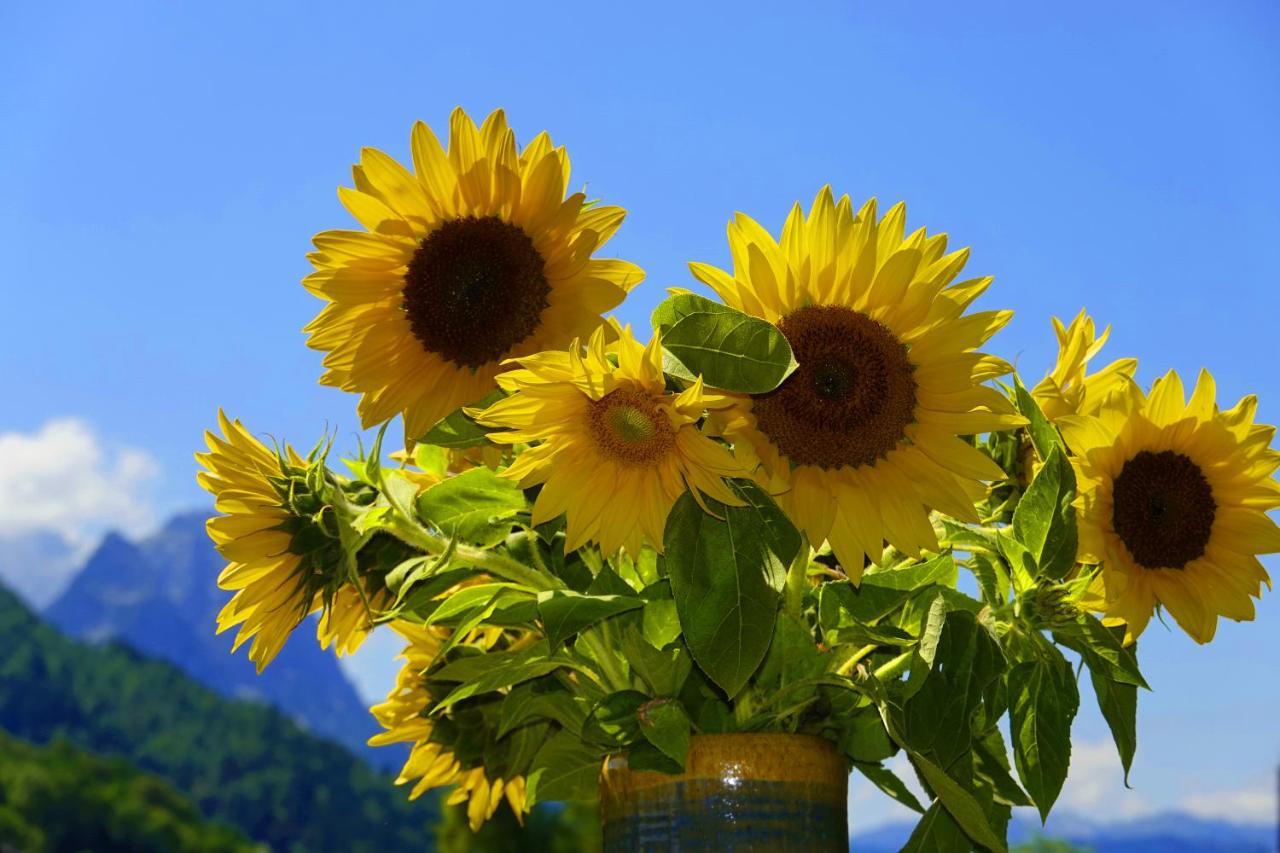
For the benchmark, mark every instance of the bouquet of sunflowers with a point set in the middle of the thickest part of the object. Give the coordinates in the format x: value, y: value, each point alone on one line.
x: 810, y: 505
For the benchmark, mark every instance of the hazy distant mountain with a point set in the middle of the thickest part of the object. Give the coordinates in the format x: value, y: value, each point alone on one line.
x: 1170, y: 832
x: 159, y: 596
x: 37, y: 565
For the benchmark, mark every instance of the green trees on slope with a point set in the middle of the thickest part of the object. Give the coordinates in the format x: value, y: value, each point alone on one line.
x: 240, y: 763
x: 57, y: 798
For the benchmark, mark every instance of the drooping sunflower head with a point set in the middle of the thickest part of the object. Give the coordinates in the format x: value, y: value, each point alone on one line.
x: 1068, y: 389
x: 614, y: 448
x: 432, y: 761
x: 282, y: 564
x: 475, y: 256
x: 864, y: 437
x: 1174, y: 495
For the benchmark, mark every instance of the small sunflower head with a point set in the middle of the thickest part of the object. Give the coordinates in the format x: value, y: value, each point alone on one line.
x: 279, y: 534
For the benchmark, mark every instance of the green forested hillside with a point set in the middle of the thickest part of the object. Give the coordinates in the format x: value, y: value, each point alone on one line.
x: 57, y: 797
x: 243, y: 764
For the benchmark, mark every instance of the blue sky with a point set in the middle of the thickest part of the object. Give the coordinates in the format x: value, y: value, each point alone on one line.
x: 166, y: 164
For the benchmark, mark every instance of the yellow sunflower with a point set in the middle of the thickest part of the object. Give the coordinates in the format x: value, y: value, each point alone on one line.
x: 432, y: 764
x: 276, y: 559
x: 1067, y: 390
x: 863, y: 439
x: 475, y: 257
x: 1174, y: 497
x: 614, y: 449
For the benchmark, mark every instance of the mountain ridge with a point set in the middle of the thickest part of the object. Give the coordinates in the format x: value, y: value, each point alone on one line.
x: 159, y: 595
x: 244, y: 763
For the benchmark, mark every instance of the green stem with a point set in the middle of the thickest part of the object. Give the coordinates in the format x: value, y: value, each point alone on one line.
x: 895, y: 667
x: 797, y: 581
x: 847, y: 666
x: 492, y: 562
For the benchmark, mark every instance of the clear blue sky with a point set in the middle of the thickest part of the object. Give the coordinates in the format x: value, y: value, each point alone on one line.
x: 165, y: 164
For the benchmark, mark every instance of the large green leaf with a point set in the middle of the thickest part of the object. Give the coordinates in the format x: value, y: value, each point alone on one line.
x: 476, y: 506
x: 1045, y: 522
x: 564, y: 769
x: 664, y: 670
x: 525, y: 703
x: 1102, y: 649
x: 889, y: 783
x: 938, y: 832
x: 488, y: 672
x: 1118, y: 702
x: 615, y: 720
x: 961, y: 804
x: 565, y: 613
x: 1044, y: 435
x: 1043, y: 702
x: 458, y: 430
x: 731, y: 350
x: 965, y: 661
x: 664, y: 724
x: 723, y: 573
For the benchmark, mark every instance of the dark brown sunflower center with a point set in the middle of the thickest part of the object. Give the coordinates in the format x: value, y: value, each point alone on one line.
x: 475, y: 288
x: 852, y: 397
x: 628, y: 427
x: 1163, y: 509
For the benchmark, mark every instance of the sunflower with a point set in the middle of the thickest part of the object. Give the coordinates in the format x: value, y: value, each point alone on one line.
x: 432, y: 764
x: 1067, y: 390
x: 605, y: 429
x: 280, y: 564
x: 863, y: 438
x: 1173, y: 498
x: 475, y: 257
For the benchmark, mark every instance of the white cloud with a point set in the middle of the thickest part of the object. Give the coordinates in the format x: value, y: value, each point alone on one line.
x: 64, y: 479
x: 1095, y: 785
x: 1255, y: 804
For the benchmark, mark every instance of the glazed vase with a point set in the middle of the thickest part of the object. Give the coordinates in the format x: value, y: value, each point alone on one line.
x: 739, y: 792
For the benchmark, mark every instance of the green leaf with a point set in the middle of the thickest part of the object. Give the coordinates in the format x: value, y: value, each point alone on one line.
x: 1043, y: 699
x: 458, y: 430
x: 962, y: 805
x: 564, y: 769
x: 484, y: 597
x: 939, y: 716
x: 991, y: 758
x: 664, y: 670
x: 476, y: 506
x: 938, y: 832
x: 614, y: 721
x: 524, y: 703
x: 661, y: 622
x: 722, y: 574
x: 664, y: 724
x: 1102, y: 649
x: 731, y: 350
x: 1045, y: 522
x: 488, y: 672
x: 1044, y: 435
x: 1119, y: 705
x: 864, y: 739
x: 565, y: 613
x: 888, y: 782
x: 940, y: 569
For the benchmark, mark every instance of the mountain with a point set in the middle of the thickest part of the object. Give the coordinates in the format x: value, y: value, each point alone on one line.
x: 37, y: 564
x: 241, y: 763
x: 1169, y: 832
x: 160, y: 597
